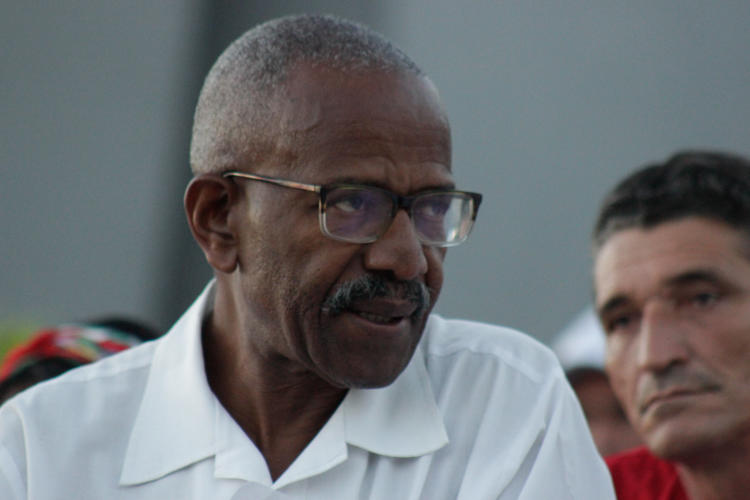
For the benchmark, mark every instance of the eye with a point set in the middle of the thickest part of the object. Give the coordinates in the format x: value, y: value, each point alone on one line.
x: 349, y: 201
x: 705, y: 299
x: 619, y: 323
x: 435, y: 206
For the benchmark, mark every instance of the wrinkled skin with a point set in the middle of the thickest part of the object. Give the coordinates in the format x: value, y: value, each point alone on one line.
x: 675, y: 303
x: 277, y: 358
x: 396, y: 138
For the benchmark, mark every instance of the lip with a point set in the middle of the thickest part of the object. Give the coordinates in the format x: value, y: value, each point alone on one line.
x: 364, y: 329
x: 390, y: 310
x: 670, y: 395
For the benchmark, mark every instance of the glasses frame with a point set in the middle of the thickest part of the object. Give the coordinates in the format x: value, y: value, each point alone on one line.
x: 398, y: 202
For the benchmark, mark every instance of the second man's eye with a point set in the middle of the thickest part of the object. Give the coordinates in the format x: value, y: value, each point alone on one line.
x: 705, y: 299
x: 619, y: 323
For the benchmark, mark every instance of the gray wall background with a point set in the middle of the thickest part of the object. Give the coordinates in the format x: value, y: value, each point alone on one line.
x: 550, y: 102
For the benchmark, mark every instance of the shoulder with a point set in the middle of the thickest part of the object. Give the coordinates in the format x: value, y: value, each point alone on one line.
x: 485, y: 369
x: 499, y: 389
x: 490, y: 344
x: 638, y: 474
x: 103, y: 374
x: 82, y: 398
x: 54, y: 425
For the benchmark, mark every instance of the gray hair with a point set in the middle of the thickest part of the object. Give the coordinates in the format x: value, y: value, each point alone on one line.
x: 233, y: 114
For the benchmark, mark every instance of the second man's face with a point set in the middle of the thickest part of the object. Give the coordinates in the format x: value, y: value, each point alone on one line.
x: 674, y: 301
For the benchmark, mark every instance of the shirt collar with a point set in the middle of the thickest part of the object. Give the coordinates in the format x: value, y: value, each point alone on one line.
x: 174, y: 425
x: 180, y: 421
x: 401, y: 420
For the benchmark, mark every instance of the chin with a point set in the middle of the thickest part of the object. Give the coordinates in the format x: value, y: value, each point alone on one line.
x: 681, y: 443
x: 371, y: 381
x: 366, y: 359
x: 379, y: 376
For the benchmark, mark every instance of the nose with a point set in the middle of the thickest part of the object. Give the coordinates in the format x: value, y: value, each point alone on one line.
x: 398, y: 250
x: 661, y: 337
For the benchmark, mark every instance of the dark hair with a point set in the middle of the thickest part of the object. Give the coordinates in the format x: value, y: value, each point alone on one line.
x: 690, y: 183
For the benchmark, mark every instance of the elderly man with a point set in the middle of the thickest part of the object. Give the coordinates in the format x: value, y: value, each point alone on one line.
x: 324, y: 200
x: 672, y: 279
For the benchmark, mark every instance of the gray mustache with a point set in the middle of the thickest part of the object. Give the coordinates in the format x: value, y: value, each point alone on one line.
x: 675, y: 376
x: 372, y: 286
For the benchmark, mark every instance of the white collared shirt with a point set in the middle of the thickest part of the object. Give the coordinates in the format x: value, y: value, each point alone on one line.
x: 481, y: 412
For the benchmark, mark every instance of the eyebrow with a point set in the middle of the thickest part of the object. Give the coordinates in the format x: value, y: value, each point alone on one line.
x: 449, y: 186
x: 612, y: 304
x: 695, y: 276
x: 682, y: 279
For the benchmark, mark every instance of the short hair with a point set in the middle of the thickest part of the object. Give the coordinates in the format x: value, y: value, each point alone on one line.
x: 233, y: 114
x: 709, y: 184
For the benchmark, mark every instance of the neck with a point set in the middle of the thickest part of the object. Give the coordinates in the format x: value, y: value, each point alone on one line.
x: 280, y: 407
x: 720, y: 475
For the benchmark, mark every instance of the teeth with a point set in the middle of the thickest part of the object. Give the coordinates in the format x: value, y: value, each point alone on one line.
x: 375, y: 318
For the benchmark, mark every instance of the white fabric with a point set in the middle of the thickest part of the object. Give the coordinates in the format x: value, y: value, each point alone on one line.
x: 481, y: 412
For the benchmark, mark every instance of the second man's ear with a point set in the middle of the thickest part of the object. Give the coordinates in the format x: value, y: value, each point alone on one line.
x: 208, y: 200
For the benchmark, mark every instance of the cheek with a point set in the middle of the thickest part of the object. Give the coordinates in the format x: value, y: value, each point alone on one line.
x: 276, y: 273
x: 434, y: 278
x: 725, y: 352
x: 617, y: 363
x: 319, y: 272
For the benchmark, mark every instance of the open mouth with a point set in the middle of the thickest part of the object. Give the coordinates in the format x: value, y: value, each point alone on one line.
x: 383, y: 311
x: 378, y: 318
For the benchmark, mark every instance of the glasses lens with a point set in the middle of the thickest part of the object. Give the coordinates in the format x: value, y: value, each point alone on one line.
x: 356, y: 214
x: 443, y: 219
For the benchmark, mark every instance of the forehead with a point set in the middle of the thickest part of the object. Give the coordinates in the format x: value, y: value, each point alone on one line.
x: 390, y: 123
x: 642, y: 260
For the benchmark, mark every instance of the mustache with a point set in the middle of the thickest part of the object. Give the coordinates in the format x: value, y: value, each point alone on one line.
x: 676, y: 377
x: 372, y: 286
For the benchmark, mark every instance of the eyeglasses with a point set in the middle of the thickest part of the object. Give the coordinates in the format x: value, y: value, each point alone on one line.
x: 361, y: 214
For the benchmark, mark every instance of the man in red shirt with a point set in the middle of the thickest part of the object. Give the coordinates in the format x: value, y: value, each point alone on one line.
x: 672, y: 290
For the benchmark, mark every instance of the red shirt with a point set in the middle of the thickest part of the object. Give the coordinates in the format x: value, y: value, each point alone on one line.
x: 639, y: 475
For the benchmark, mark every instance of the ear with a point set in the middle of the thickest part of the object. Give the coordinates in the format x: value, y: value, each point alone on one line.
x: 208, y: 202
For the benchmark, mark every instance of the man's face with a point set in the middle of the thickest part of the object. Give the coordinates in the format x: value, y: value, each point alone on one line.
x: 385, y: 130
x: 675, y: 303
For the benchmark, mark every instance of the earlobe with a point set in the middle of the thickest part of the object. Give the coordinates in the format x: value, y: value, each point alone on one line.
x: 208, y: 201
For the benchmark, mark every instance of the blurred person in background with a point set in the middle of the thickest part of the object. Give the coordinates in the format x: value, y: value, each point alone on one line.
x: 580, y: 349
x: 52, y: 351
x: 672, y: 290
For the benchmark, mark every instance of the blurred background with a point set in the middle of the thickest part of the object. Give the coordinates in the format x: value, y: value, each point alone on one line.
x: 550, y: 103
